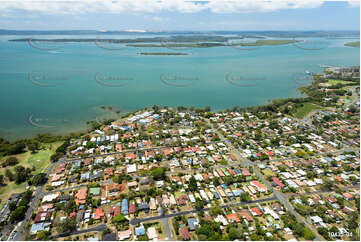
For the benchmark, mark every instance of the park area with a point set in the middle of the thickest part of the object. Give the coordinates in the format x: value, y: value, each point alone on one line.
x: 38, y: 162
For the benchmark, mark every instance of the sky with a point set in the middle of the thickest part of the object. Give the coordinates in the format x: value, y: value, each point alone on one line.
x: 178, y: 15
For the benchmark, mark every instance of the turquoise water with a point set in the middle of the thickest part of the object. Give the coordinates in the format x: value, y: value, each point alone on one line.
x: 59, y: 90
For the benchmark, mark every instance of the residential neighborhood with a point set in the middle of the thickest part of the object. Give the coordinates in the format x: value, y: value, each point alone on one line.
x: 164, y: 174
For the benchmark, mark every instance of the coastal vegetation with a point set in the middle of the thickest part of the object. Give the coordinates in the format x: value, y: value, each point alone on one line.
x: 353, y: 44
x: 161, y: 53
x: 191, y: 41
x: 22, y: 167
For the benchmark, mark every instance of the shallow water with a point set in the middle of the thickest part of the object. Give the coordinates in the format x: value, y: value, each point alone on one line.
x: 59, y: 89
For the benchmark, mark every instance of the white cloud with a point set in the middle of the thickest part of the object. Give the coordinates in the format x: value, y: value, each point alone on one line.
x: 154, y: 6
x: 159, y: 19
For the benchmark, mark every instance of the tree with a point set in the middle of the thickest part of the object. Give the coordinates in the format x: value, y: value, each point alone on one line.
x: 9, y: 174
x: 1, y: 179
x: 215, y: 209
x: 192, y: 184
x: 43, y: 235
x: 18, y: 214
x: 38, y: 179
x: 119, y: 219
x: 12, y: 206
x: 21, y: 174
x: 34, y: 146
x: 55, y: 157
x: 67, y: 225
x: 158, y: 173
x: 308, y: 234
x: 199, y: 204
x: 234, y: 233
x: 11, y: 161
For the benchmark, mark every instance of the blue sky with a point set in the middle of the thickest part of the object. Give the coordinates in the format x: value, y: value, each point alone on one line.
x: 179, y: 15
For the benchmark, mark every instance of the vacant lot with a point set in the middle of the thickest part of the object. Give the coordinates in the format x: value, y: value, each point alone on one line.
x: 306, y: 109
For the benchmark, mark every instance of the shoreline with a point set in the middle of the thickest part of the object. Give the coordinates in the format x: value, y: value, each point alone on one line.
x: 111, y: 112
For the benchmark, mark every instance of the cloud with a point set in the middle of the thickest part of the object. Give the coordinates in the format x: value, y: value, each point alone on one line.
x: 154, y: 6
x: 159, y: 19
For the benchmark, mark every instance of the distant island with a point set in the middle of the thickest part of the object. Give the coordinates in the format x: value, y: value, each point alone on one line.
x: 176, y: 38
x: 161, y: 53
x: 353, y: 44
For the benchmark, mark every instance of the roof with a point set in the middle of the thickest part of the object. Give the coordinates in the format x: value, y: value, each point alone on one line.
x: 256, y: 211
x: 139, y: 231
x: 124, y: 234
x: 81, y: 194
x: 109, y: 237
x: 99, y: 213
x: 94, y: 191
x: 233, y: 217
x: 277, y: 182
x: 152, y: 233
x: 192, y: 222
x: 132, y: 208
x: 183, y: 231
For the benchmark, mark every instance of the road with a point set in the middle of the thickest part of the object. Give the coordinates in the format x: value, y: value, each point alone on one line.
x: 228, y: 205
x: 165, y: 222
x: 281, y: 197
x: 33, y: 202
x: 98, y: 228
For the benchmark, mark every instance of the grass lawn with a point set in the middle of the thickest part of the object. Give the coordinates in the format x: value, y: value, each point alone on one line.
x: 335, y: 82
x: 268, y: 172
x: 39, y: 160
x: 306, y: 109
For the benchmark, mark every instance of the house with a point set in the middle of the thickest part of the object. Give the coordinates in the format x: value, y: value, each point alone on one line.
x: 139, y: 231
x: 111, y: 191
x: 42, y: 216
x: 123, y: 235
x: 256, y: 212
x: 96, y: 175
x: 277, y: 182
x: 50, y: 197
x: 182, y: 200
x: 244, y: 214
x: 131, y: 168
x: 109, y: 237
x: 233, y: 218
x: 144, y: 207
x: 80, y: 196
x: 35, y: 228
x: 183, y: 231
x: 98, y: 214
x: 132, y: 208
x: 152, y: 204
x: 259, y: 187
x: 316, y: 220
x: 95, y: 191
x: 114, y: 210
x: 152, y: 233
x: 125, y: 206
x: 347, y: 210
x: 347, y: 196
x: 80, y: 216
x: 277, y: 207
x: 132, y: 184
x: 192, y: 223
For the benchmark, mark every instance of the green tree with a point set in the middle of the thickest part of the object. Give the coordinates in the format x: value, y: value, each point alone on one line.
x: 1, y: 179
x: 158, y: 173
x: 119, y: 219
x: 38, y: 179
x: 9, y: 174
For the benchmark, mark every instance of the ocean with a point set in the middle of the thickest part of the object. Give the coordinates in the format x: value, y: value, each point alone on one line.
x: 57, y: 87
